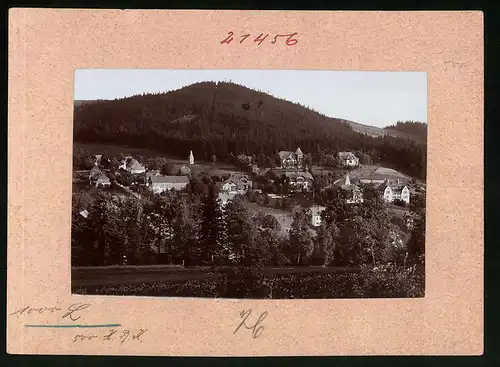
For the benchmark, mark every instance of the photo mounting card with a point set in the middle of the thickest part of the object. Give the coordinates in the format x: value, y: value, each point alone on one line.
x: 263, y: 191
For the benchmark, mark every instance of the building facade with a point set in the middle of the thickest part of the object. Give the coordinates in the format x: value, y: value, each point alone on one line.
x: 236, y: 184
x: 348, y: 159
x: 395, y: 191
x: 353, y: 193
x: 159, y: 184
x: 290, y: 159
x: 299, y: 181
x: 132, y: 166
x: 315, y: 213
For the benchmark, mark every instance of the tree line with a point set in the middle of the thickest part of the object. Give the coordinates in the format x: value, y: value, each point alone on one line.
x: 192, y: 228
x: 209, y: 119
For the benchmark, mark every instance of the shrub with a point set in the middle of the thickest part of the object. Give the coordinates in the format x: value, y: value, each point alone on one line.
x: 390, y: 281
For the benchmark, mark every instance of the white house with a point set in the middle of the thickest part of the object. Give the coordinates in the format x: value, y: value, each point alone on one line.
x: 315, y: 212
x: 348, y: 159
x: 299, y: 180
x: 394, y: 191
x: 236, y: 184
x: 159, y: 184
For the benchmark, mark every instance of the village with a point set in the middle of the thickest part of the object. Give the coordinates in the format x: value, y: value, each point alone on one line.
x: 294, y: 183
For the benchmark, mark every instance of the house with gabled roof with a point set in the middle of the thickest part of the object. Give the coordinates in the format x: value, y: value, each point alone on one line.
x: 237, y: 183
x: 102, y: 181
x: 94, y: 172
x: 391, y: 191
x: 159, y: 184
x: 354, y: 192
x: 290, y: 159
x: 299, y: 180
x: 315, y: 213
x: 132, y: 166
x: 348, y: 159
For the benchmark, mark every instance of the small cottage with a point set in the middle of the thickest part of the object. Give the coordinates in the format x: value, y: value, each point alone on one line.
x: 354, y: 193
x: 236, y: 184
x: 299, y: 180
x: 348, y: 159
x: 102, y: 181
x: 315, y: 213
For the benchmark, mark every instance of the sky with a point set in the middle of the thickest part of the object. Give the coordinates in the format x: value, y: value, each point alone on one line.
x: 368, y: 97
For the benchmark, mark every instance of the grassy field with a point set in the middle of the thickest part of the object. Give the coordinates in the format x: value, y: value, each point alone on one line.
x: 399, y: 211
x: 199, y: 168
x: 284, y: 218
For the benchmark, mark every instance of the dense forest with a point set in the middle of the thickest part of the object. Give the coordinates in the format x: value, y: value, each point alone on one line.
x: 196, y: 230
x: 223, y: 118
x: 415, y: 128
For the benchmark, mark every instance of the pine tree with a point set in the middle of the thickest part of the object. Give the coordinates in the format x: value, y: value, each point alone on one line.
x: 301, y: 243
x: 212, y: 226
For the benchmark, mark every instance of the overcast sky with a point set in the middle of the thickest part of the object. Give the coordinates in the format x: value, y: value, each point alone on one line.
x: 370, y: 98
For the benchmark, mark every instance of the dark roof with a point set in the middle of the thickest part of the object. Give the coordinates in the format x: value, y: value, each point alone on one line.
x: 347, y: 155
x: 134, y: 164
x: 316, y: 209
x: 285, y: 154
x: 95, y: 171
x: 294, y: 175
x: 169, y: 179
x: 394, y: 186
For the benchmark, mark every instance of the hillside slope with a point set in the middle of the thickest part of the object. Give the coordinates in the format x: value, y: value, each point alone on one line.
x: 224, y: 118
x: 415, y: 129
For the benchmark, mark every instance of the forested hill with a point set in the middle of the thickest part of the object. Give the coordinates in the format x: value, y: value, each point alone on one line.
x: 223, y: 118
x: 415, y: 128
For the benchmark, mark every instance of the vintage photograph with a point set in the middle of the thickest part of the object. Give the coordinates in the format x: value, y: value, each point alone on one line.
x: 263, y: 184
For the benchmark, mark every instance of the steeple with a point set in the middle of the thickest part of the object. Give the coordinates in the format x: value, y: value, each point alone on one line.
x: 298, y: 152
x: 347, y: 180
x: 191, y: 157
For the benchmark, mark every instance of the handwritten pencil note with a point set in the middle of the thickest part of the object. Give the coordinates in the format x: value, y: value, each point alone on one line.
x: 289, y: 39
x: 111, y: 335
x: 256, y: 328
x: 72, y: 316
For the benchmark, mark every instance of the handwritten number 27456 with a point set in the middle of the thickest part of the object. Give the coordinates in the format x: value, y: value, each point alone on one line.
x: 290, y: 40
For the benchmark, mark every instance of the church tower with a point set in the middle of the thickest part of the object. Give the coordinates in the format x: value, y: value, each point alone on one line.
x: 191, y: 157
x: 347, y: 181
x: 300, y: 157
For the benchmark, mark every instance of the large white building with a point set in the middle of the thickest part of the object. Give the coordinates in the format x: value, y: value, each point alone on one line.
x: 159, y: 184
x: 395, y: 191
